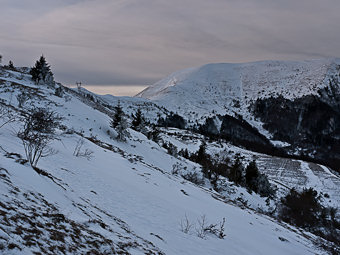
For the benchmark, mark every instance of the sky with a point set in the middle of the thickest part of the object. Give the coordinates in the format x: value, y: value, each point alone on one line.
x: 122, y: 46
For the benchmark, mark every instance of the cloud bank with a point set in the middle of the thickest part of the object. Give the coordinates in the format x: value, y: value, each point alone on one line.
x: 137, y: 42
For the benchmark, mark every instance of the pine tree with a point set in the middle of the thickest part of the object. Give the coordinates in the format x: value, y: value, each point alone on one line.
x: 117, y: 117
x: 184, y: 153
x: 138, y: 121
x: 201, y: 154
x: 202, y: 158
x: 263, y: 186
x: 258, y: 182
x: 252, y: 174
x: 301, y: 208
x: 154, y: 135
x: 119, y: 123
x: 121, y: 129
x: 11, y: 65
x: 59, y: 91
x: 172, y: 120
x: 236, y: 171
x: 41, y: 72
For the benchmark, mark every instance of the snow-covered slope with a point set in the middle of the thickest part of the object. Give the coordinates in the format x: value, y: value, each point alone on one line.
x: 123, y: 199
x: 284, y: 173
x: 228, y: 88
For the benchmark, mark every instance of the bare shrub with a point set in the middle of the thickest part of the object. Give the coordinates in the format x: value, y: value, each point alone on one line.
x: 216, y: 229
x: 194, y: 178
x: 5, y: 116
x: 186, y: 225
x: 78, y: 152
x: 176, y: 168
x: 202, y: 225
x: 203, y: 228
x: 37, y: 133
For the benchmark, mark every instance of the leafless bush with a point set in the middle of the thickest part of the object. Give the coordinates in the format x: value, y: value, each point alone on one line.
x: 194, y: 178
x: 5, y: 116
x: 216, y: 229
x: 176, y: 168
x: 37, y: 133
x: 78, y: 152
x: 185, y: 224
x: 203, y: 228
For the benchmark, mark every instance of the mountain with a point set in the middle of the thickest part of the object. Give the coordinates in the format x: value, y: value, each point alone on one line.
x: 292, y: 103
x: 217, y: 87
x: 93, y: 193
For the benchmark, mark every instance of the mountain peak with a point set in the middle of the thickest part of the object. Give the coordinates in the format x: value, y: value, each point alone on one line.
x: 223, y: 83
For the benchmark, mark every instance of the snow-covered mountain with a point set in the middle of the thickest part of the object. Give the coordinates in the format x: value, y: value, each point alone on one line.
x: 98, y: 195
x: 291, y: 103
x: 223, y: 87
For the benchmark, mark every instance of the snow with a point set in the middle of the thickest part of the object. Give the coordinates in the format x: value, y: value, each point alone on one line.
x: 223, y: 88
x: 280, y: 143
x: 129, y: 186
x: 282, y: 172
x: 151, y: 202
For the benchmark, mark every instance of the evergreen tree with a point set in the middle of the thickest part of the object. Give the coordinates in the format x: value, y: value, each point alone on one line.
x: 121, y: 129
x: 258, y: 182
x: 11, y: 65
x: 201, y: 154
x: 173, y: 120
x: 117, y: 117
x: 41, y: 72
x: 209, y: 127
x: 252, y: 174
x: 184, y: 153
x: 154, y: 135
x: 172, y: 150
x: 138, y: 121
x: 119, y: 123
x: 202, y: 158
x: 263, y: 186
x: 301, y: 208
x: 236, y: 171
x: 59, y: 91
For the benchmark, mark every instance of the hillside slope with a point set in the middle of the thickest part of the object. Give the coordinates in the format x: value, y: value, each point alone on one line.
x: 295, y: 104
x: 123, y: 199
x: 218, y: 87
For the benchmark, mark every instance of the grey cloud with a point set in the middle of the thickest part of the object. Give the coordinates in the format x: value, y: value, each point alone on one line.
x: 141, y: 41
x: 102, y: 78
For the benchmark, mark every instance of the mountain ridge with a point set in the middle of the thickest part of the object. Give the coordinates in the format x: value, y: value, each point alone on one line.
x: 243, y: 81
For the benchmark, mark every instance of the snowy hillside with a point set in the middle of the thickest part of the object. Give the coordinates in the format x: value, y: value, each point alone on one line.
x: 294, y: 105
x: 224, y: 88
x: 117, y: 197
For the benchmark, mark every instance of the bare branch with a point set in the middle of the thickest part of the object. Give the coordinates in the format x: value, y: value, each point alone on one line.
x: 88, y: 154
x: 6, y: 116
x: 38, y: 132
x: 186, y: 225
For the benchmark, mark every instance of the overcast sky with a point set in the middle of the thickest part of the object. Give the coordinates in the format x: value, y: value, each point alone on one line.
x: 137, y: 42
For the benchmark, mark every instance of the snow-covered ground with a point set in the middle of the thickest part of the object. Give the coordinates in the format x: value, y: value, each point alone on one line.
x: 284, y: 173
x: 125, y: 198
x: 217, y: 86
x: 228, y: 88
